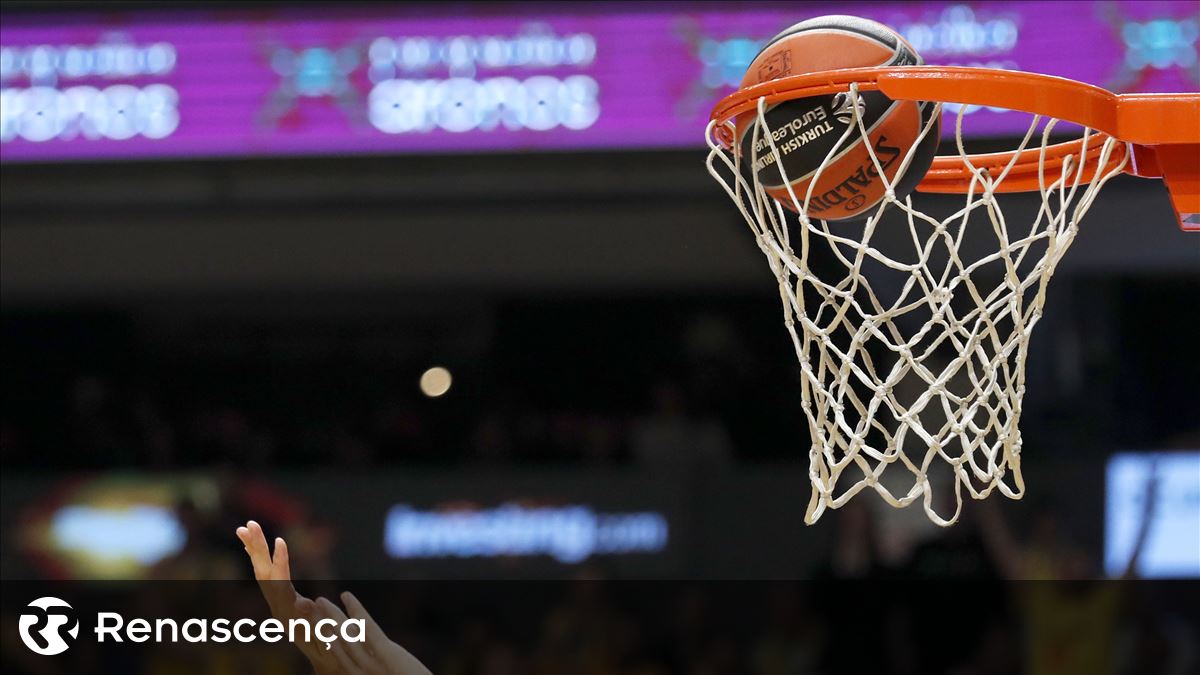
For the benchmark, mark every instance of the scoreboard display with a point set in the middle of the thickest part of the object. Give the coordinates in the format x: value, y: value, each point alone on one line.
x: 163, y: 83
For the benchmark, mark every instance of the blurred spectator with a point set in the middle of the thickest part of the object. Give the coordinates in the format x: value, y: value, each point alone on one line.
x: 583, y: 634
x: 793, y: 640
x: 855, y: 553
x: 480, y: 651
x: 669, y: 437
x: 1071, y: 618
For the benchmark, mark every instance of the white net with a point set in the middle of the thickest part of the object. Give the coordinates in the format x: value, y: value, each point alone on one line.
x: 912, y: 344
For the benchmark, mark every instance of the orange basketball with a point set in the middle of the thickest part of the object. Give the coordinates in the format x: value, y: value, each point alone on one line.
x: 806, y: 130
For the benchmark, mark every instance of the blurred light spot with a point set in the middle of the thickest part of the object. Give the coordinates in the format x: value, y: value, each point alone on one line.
x: 143, y: 532
x: 435, y: 382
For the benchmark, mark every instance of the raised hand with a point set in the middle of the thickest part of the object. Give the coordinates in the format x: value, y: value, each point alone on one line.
x: 274, y: 576
x: 377, y: 655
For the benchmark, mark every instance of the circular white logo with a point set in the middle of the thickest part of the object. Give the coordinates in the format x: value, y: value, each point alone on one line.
x: 48, y: 626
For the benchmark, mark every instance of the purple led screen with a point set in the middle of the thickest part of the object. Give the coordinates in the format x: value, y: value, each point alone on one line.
x: 458, y: 77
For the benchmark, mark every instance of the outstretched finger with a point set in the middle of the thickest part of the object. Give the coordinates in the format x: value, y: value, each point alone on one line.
x: 349, y: 655
x: 256, y: 547
x: 389, y: 657
x: 328, y: 610
x: 281, y: 568
x: 323, y: 660
x: 278, y: 587
x: 356, y: 610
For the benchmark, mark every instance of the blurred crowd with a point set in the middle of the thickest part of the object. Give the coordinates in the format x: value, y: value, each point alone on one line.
x: 589, y: 381
x: 702, y: 396
x: 104, y: 423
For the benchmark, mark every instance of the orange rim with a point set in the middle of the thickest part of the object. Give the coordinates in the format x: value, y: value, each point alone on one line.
x: 949, y: 174
x: 1160, y: 132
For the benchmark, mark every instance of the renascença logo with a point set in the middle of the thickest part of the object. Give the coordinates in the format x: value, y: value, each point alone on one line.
x: 46, y: 625
x: 47, y: 622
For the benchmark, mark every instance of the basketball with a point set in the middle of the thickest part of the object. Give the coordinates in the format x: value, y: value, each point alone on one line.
x: 804, y: 131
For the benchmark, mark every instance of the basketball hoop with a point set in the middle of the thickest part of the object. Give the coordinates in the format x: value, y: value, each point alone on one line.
x: 913, y: 351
